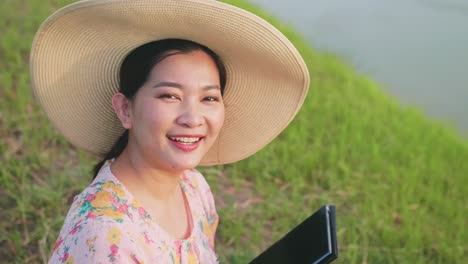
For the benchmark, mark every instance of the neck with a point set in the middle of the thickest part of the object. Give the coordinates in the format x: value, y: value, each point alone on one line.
x: 139, y: 175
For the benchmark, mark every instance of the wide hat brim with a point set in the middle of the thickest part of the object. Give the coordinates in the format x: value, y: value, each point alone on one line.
x: 77, y: 53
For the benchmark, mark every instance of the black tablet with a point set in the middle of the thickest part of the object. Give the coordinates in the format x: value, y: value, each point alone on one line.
x: 311, y: 242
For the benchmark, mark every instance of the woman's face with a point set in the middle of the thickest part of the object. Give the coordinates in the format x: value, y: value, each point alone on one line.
x: 177, y: 114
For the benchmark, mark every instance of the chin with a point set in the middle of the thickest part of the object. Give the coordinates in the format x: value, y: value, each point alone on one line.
x: 185, y: 164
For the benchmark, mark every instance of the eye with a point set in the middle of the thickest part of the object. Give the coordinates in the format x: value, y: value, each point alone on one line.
x: 211, y: 99
x: 168, y: 96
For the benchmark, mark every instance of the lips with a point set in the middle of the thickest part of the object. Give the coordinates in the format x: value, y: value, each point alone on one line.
x: 185, y: 140
x: 186, y: 143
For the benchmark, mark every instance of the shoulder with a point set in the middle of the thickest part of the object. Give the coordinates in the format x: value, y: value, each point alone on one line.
x: 209, y: 217
x: 195, y: 180
x: 91, y: 241
x: 197, y: 186
x: 102, y: 205
x: 102, y: 200
x: 99, y: 227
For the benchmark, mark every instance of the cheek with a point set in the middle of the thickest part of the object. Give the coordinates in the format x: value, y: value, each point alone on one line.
x: 217, y: 119
x: 153, y: 117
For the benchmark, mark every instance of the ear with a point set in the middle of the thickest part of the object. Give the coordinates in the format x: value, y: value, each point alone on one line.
x: 122, y: 109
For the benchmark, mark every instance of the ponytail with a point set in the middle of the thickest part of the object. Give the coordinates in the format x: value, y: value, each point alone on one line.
x: 115, y: 151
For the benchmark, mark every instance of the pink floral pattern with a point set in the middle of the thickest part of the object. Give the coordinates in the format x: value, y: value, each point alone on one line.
x: 106, y: 224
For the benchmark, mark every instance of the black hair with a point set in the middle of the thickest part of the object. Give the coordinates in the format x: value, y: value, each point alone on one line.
x: 135, y: 70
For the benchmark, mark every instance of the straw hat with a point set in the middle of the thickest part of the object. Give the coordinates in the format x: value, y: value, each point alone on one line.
x: 77, y: 53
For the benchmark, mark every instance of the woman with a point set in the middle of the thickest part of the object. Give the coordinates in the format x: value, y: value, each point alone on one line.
x: 156, y: 88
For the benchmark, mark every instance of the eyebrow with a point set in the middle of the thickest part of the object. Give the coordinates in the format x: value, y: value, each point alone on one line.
x: 179, y: 86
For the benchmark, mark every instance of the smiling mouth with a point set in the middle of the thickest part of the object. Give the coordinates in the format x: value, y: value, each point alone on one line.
x: 186, y: 140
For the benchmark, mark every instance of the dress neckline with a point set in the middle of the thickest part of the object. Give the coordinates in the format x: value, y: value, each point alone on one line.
x: 106, y: 170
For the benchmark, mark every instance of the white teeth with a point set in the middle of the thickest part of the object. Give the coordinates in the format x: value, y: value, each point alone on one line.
x: 186, y: 140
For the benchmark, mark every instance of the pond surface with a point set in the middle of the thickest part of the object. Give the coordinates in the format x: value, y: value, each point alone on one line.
x: 417, y: 49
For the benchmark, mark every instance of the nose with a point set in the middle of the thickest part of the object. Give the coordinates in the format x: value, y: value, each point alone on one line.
x: 191, y: 116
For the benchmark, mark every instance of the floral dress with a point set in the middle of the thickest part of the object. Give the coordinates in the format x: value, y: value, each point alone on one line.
x: 106, y: 224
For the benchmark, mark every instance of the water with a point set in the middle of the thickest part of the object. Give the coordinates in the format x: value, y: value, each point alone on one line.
x: 417, y: 49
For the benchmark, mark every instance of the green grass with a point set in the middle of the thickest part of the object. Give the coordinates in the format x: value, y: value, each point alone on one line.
x: 398, y: 179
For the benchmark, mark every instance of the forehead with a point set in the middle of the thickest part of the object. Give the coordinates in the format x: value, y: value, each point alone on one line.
x: 185, y: 65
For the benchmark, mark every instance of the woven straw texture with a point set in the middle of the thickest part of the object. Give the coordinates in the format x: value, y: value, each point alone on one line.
x: 77, y: 53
